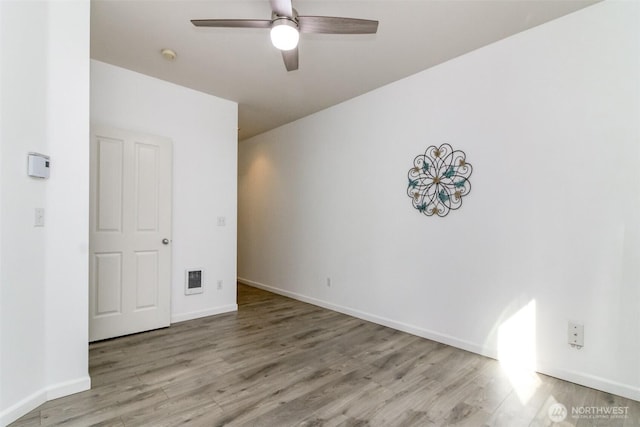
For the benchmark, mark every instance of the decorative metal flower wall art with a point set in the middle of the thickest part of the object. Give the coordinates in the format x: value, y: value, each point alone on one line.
x: 438, y: 180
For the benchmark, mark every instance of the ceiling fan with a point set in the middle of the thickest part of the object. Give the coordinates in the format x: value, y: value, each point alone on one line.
x: 286, y: 26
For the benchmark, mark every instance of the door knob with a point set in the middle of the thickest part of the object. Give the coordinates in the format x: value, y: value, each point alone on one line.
x: 165, y: 241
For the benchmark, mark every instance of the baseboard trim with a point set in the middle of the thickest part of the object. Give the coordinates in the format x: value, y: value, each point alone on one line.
x: 400, y: 326
x: 23, y: 407
x: 587, y: 380
x: 41, y: 396
x: 591, y: 381
x: 182, y: 317
x: 69, y: 387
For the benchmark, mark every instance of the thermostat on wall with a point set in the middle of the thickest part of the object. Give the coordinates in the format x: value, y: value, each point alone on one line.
x: 193, y: 282
x: 38, y: 165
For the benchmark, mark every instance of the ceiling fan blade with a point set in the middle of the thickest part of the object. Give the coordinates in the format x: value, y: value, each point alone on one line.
x: 336, y: 25
x: 232, y: 23
x: 290, y: 58
x: 282, y: 7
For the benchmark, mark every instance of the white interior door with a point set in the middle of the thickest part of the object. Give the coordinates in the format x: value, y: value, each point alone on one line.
x: 130, y: 235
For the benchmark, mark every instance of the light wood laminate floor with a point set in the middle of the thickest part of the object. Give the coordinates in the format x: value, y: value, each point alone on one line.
x: 279, y: 362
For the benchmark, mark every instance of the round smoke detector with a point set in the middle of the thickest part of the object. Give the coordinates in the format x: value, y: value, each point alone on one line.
x: 168, y: 54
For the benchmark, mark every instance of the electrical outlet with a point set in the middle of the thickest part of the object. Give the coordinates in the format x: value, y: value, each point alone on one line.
x: 575, y: 335
x: 219, y: 285
x: 39, y: 217
x: 222, y: 221
x: 329, y: 282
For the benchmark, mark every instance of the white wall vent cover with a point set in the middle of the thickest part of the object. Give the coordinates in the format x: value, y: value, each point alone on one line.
x: 193, y: 281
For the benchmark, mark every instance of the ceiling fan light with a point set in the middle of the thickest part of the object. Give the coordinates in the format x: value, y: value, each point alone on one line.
x: 284, y: 34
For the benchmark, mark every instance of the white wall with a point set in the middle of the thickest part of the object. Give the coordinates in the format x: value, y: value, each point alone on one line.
x: 43, y: 271
x: 549, y: 119
x: 23, y: 129
x: 67, y: 198
x: 2, y: 36
x: 204, y: 133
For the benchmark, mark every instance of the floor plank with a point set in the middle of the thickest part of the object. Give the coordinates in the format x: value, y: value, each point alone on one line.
x: 279, y: 362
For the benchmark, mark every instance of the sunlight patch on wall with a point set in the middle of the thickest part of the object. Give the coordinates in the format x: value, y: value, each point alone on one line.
x: 517, y: 351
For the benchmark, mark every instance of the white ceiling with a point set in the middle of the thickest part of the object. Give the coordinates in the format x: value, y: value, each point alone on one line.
x: 241, y: 64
